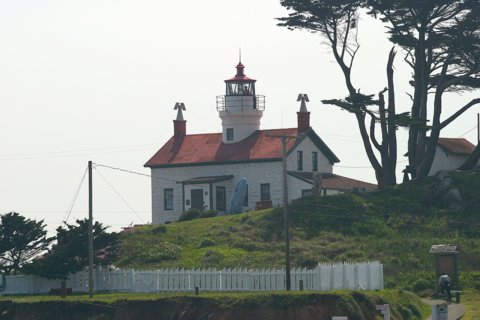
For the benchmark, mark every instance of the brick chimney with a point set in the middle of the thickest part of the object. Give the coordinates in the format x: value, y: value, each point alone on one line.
x: 179, y: 125
x: 179, y: 128
x: 303, y: 116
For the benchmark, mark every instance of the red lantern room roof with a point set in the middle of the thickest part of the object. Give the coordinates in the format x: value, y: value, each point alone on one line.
x: 240, y: 76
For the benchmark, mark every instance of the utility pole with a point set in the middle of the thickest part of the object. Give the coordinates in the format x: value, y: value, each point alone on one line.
x: 90, y: 231
x: 285, y: 139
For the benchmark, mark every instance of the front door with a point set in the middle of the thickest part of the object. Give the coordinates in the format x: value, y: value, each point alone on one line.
x: 197, y: 198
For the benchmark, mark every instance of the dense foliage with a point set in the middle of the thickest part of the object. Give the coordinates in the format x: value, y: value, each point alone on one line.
x: 21, y: 240
x: 70, y: 253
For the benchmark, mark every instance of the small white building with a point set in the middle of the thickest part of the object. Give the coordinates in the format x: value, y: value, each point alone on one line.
x: 450, y: 154
x: 201, y: 170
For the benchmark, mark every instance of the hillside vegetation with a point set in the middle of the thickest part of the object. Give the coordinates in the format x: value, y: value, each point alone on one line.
x: 233, y: 306
x: 396, y: 226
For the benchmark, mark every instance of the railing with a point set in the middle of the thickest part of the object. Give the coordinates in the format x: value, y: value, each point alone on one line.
x: 351, y: 276
x: 224, y: 103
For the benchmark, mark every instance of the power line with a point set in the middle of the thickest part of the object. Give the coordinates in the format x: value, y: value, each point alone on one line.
x: 475, y: 127
x: 133, y: 172
x: 364, y: 167
x: 119, y: 195
x: 78, y: 152
x: 72, y: 203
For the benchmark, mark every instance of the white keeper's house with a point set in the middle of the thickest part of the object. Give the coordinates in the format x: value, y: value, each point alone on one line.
x: 201, y: 170
x: 450, y: 154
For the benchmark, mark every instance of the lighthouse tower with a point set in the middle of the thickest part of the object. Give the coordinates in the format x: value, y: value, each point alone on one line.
x: 240, y: 108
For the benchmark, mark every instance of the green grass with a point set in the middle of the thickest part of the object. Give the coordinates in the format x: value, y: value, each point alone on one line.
x: 470, y: 299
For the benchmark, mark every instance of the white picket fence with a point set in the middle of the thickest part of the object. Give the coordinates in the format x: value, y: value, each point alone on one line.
x: 351, y: 276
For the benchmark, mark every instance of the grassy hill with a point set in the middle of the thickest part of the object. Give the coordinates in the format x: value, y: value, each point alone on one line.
x: 396, y: 226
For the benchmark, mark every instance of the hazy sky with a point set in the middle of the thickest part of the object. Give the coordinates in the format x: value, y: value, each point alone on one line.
x: 97, y: 80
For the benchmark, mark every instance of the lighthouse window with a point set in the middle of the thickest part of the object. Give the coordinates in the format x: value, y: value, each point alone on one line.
x: 229, y: 134
x: 239, y: 88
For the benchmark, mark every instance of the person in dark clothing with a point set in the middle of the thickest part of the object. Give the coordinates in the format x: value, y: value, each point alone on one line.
x: 444, y: 285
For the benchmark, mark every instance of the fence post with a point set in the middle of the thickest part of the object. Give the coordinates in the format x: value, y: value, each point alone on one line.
x: 134, y: 283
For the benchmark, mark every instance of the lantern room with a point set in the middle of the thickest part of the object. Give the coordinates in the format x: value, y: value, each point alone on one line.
x: 240, y: 93
x: 240, y: 84
x: 240, y: 108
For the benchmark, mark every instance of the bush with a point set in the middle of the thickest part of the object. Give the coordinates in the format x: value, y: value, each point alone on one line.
x: 212, y: 257
x: 159, y: 229
x: 206, y: 243
x: 208, y: 214
x: 190, y: 214
x: 422, y: 285
x: 160, y: 251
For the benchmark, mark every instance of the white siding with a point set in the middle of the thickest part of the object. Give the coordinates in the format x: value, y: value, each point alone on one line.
x: 295, y: 187
x: 255, y: 173
x: 307, y: 146
x: 446, y: 161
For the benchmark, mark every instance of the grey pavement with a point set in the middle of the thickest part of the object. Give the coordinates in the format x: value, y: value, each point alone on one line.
x: 455, y: 310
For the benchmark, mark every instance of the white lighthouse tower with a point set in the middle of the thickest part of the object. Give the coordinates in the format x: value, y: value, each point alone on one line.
x: 240, y: 108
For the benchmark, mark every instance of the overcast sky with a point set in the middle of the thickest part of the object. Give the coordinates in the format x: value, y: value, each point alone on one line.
x: 98, y: 79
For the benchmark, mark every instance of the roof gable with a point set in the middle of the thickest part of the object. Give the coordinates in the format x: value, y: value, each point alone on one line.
x: 334, y: 181
x: 322, y: 146
x: 456, y: 145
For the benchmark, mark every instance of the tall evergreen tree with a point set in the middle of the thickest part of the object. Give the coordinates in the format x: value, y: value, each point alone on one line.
x: 21, y: 240
x: 70, y: 253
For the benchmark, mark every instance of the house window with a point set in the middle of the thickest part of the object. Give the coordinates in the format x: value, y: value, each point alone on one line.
x: 221, y: 198
x: 168, y: 199
x: 245, y: 201
x: 265, y: 191
x: 314, y: 161
x: 299, y: 160
x: 229, y: 134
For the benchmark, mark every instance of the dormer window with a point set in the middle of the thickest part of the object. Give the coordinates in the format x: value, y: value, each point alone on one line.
x: 230, y: 134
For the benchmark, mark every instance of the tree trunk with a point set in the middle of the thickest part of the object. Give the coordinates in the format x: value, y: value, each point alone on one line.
x: 472, y: 161
x: 63, y: 288
x: 392, y: 127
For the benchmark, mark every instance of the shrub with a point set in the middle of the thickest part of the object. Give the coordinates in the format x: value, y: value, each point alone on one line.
x: 208, y: 214
x: 190, y: 214
x: 308, y: 262
x: 159, y: 229
x: 156, y: 252
x: 421, y: 285
x: 206, y: 243
x: 212, y: 257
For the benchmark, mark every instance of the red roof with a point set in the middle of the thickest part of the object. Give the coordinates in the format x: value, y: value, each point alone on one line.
x: 334, y: 181
x: 208, y: 148
x: 240, y: 76
x: 456, y: 145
